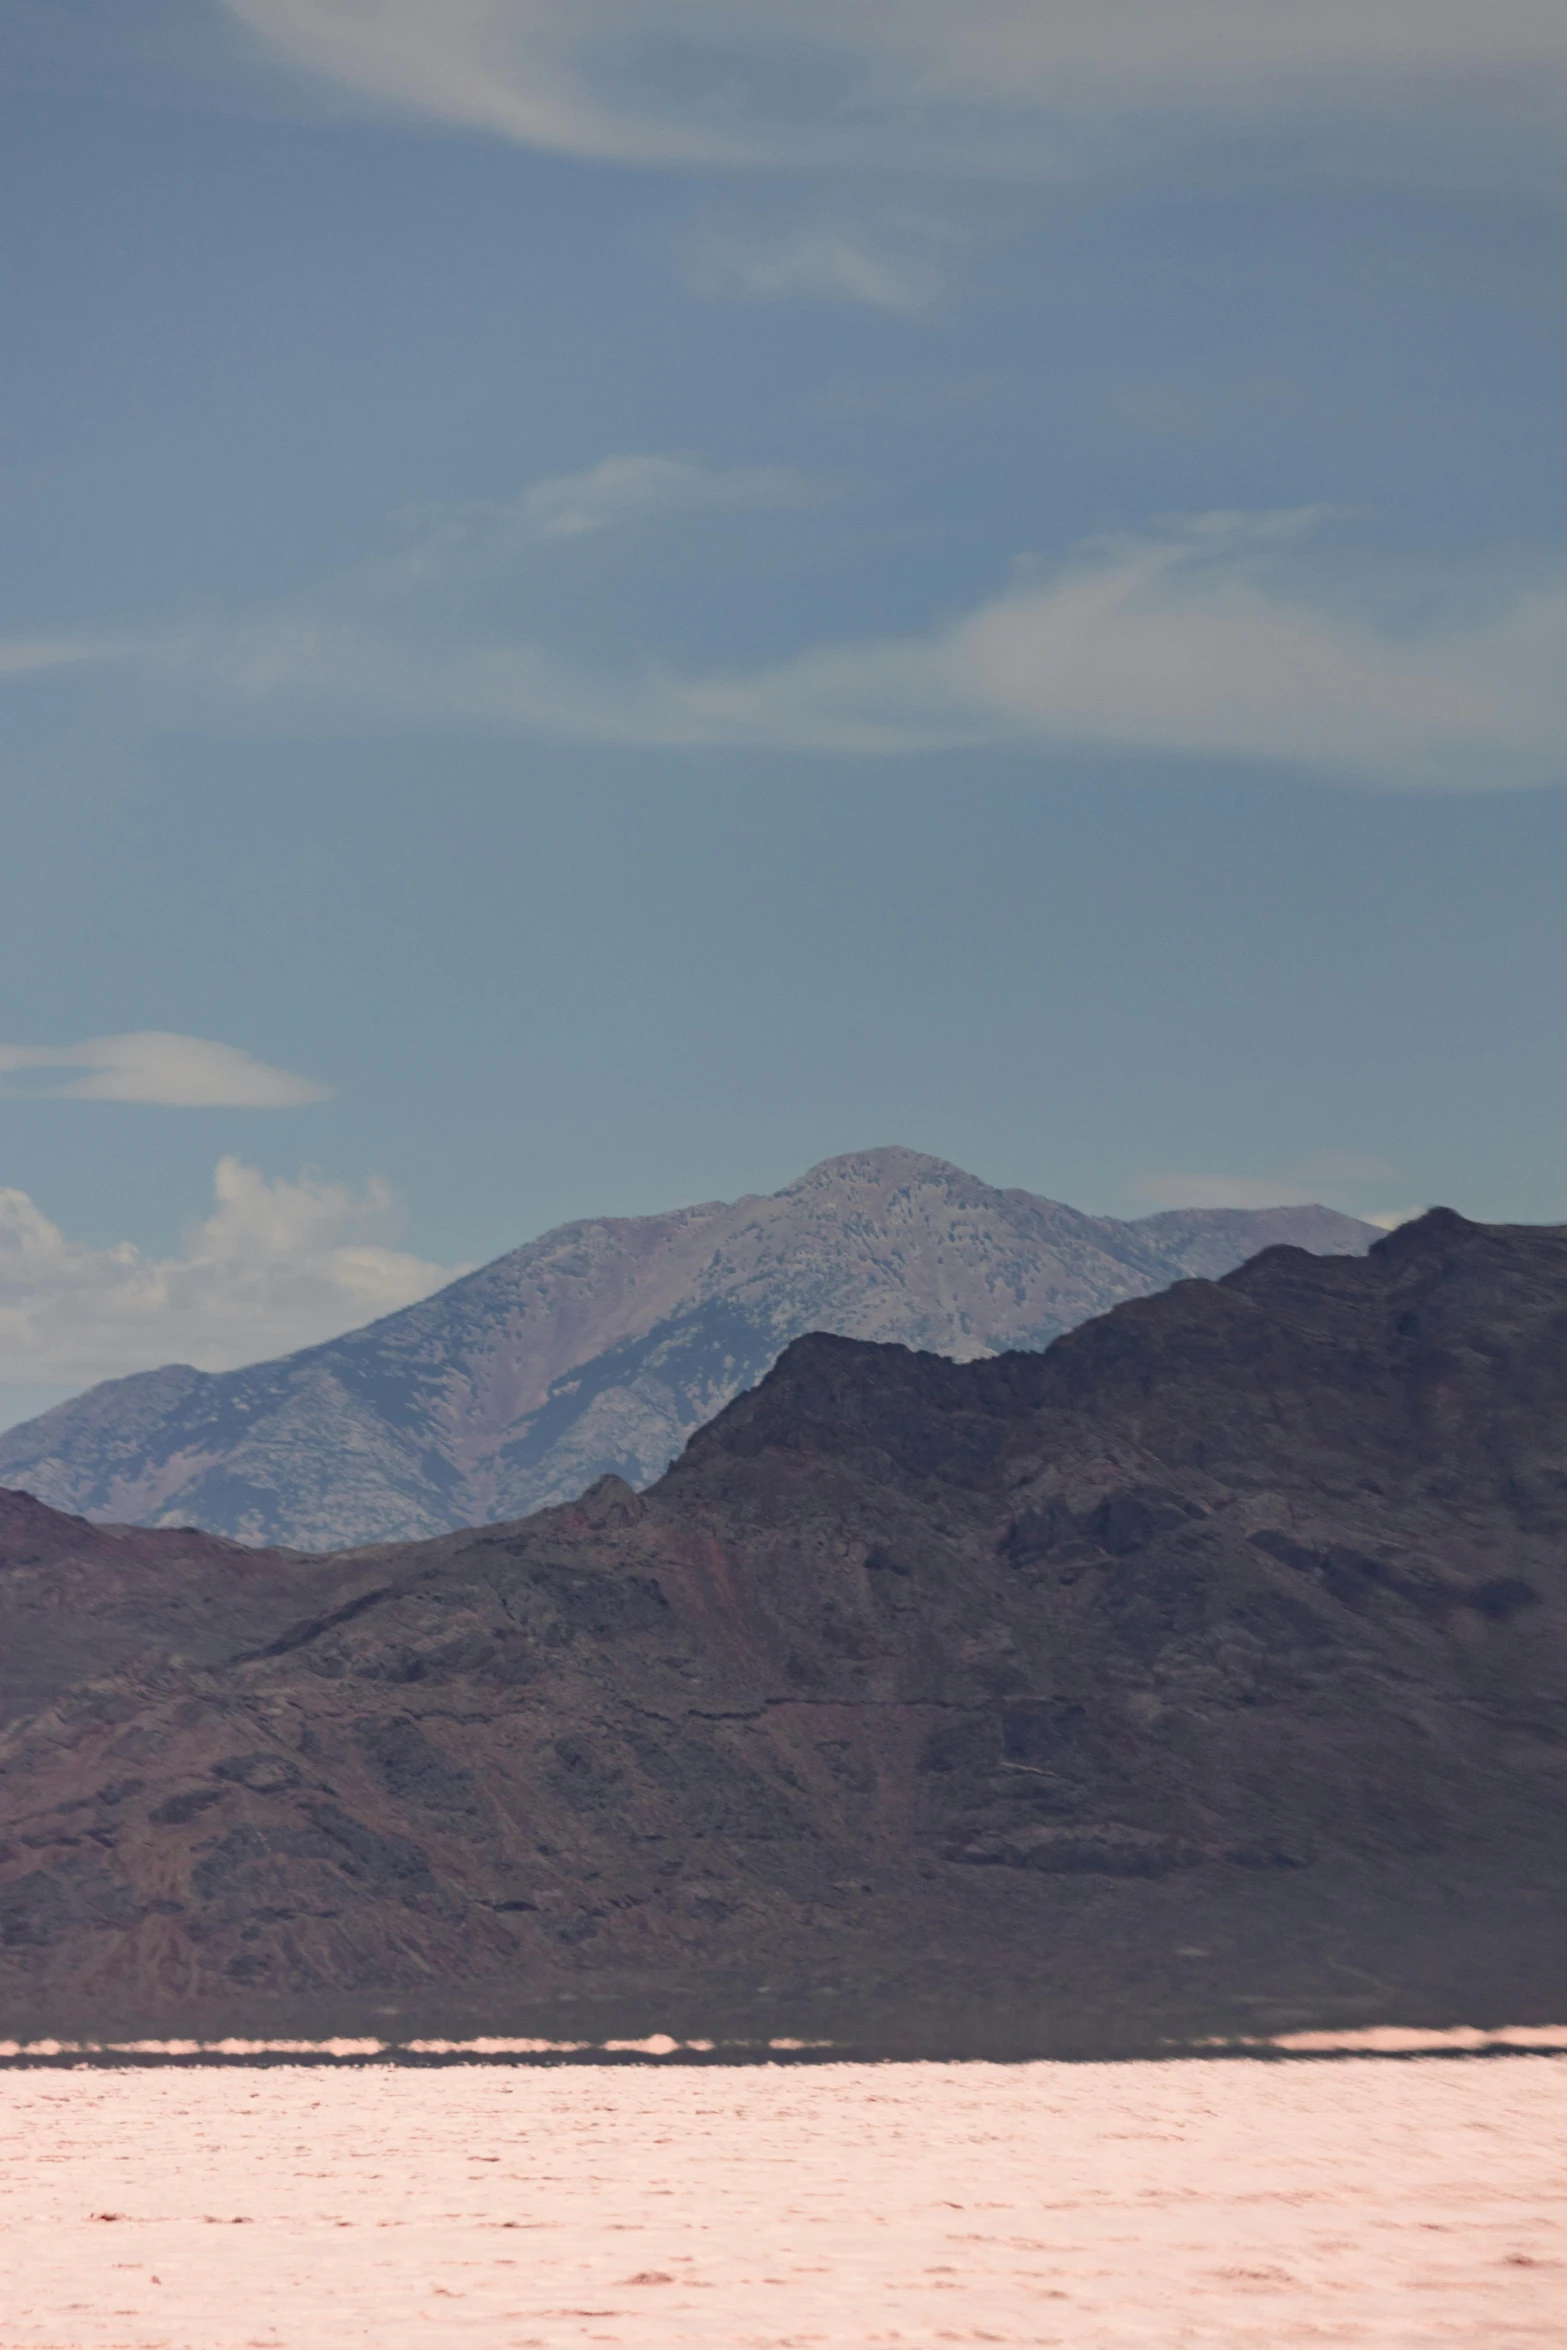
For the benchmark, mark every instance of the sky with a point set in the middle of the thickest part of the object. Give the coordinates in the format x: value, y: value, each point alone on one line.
x: 600, y: 602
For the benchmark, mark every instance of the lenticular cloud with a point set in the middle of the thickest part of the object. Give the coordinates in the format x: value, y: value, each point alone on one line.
x: 155, y: 1066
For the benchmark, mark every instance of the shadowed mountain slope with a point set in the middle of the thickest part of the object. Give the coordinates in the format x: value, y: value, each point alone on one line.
x: 1207, y: 1672
x: 601, y: 1347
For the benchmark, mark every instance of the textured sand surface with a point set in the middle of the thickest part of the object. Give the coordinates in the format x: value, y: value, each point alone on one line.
x: 1414, y: 2203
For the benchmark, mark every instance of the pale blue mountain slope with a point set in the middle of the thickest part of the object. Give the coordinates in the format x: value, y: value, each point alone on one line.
x: 603, y: 1345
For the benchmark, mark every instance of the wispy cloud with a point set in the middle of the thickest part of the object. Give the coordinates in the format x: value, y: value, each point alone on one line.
x: 276, y: 1265
x: 31, y: 656
x: 900, y: 273
x: 149, y: 1065
x: 458, y: 550
x: 1221, y: 637
x: 993, y: 85
x: 1237, y: 637
x: 621, y: 491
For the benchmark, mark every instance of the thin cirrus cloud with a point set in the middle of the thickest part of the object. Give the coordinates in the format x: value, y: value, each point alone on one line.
x: 274, y: 1266
x: 619, y: 492
x: 994, y: 84
x: 1227, y: 636
x: 462, y: 548
x: 35, y: 656
x: 903, y: 273
x: 1342, y: 1179
x: 153, y: 1066
x: 1229, y: 1191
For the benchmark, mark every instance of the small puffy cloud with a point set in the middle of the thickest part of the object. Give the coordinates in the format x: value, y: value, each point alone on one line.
x: 150, y: 1065
x: 993, y: 85
x: 276, y: 1265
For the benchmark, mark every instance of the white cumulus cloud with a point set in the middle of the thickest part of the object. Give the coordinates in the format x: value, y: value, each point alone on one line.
x: 994, y: 84
x: 151, y: 1065
x: 276, y: 1265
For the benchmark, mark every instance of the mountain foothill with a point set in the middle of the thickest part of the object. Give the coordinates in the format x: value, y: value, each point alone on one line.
x: 1200, y: 1675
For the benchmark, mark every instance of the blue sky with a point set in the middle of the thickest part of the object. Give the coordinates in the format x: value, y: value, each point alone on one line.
x: 599, y: 603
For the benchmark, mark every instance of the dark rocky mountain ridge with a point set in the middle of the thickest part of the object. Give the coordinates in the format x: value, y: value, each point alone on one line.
x: 1204, y: 1673
x: 601, y: 1347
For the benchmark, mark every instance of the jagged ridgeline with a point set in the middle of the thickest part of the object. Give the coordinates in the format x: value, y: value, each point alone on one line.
x: 1205, y: 1674
x: 600, y: 1348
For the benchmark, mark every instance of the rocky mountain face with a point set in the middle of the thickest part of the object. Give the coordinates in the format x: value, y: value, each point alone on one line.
x: 600, y: 1348
x: 1205, y: 1673
x: 77, y: 1600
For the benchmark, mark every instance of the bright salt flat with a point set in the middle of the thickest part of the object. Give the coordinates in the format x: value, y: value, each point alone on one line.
x: 1420, y: 2203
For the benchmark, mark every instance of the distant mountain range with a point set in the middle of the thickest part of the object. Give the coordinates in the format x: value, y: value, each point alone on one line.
x: 1205, y: 1675
x: 600, y: 1348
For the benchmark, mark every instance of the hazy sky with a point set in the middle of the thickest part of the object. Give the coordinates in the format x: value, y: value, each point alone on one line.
x: 606, y: 598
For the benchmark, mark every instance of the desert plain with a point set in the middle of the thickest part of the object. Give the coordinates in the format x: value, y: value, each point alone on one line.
x: 1417, y: 2202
